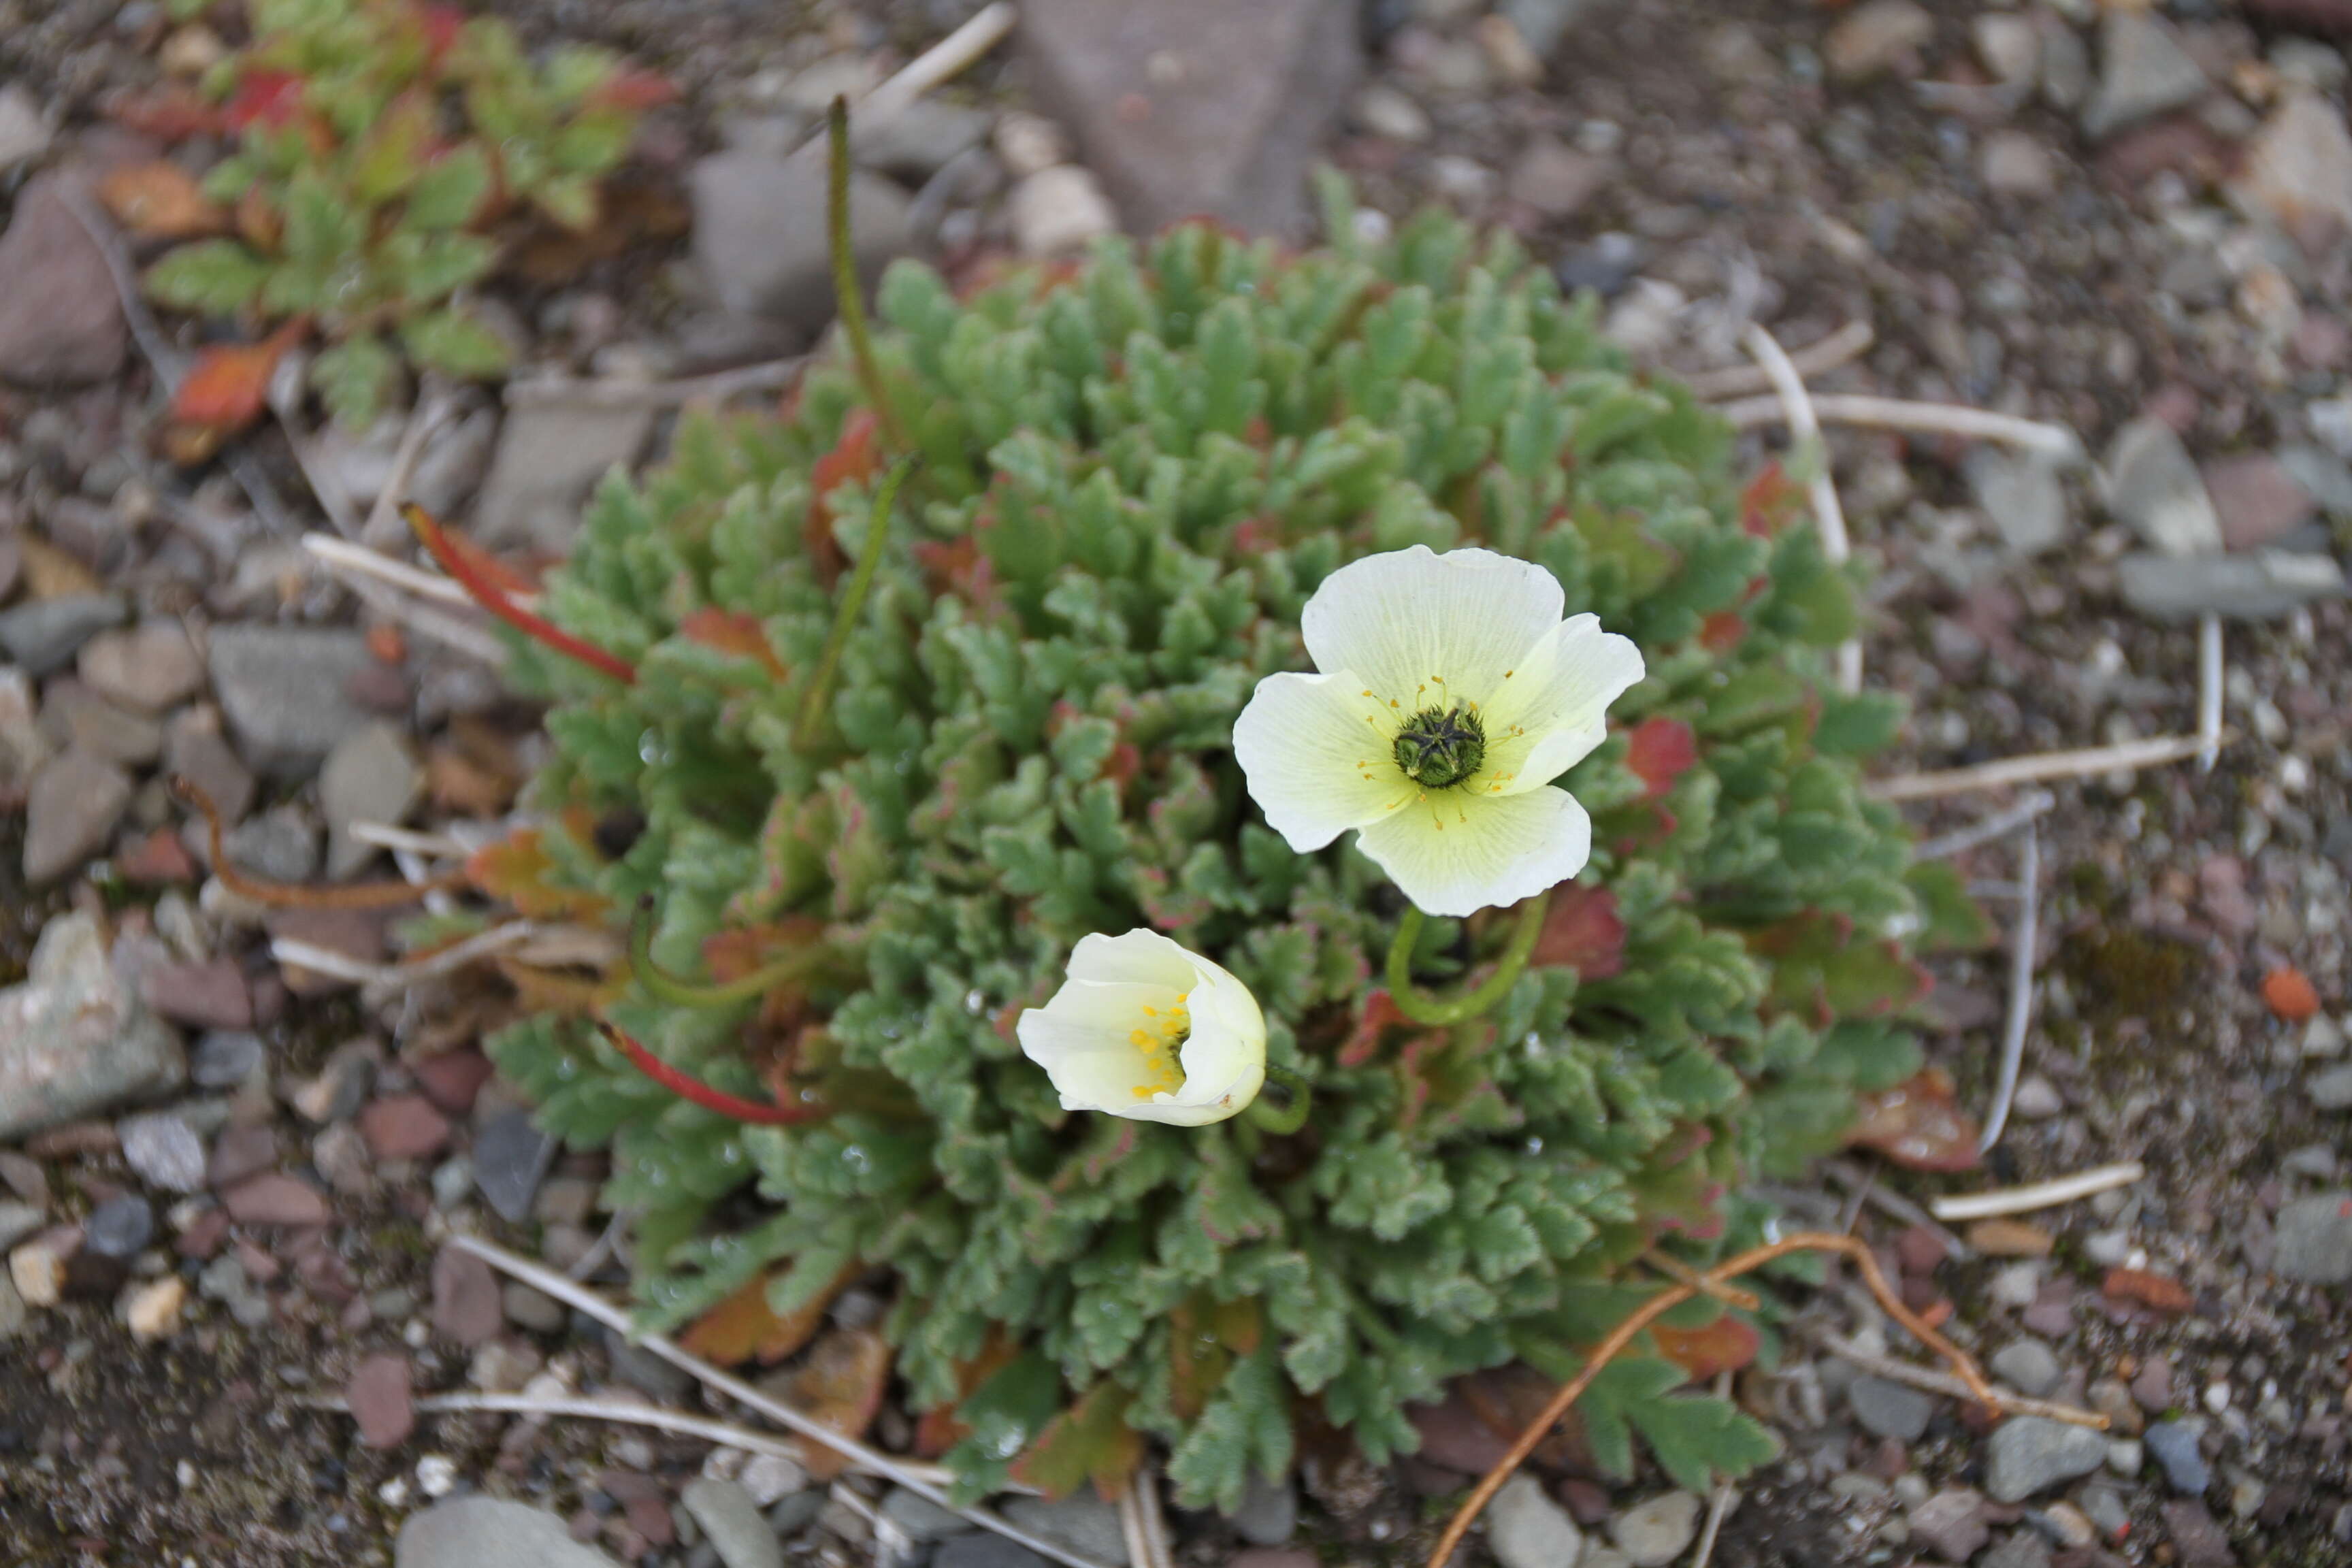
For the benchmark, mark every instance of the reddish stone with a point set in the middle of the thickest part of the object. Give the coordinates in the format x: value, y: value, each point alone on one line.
x: 258, y: 1264
x: 1586, y: 1503
x: 404, y: 1127
x: 452, y: 1079
x: 1452, y: 1435
x: 640, y: 1496
x: 378, y: 1395
x: 241, y: 1151
x: 2152, y: 1389
x: 210, y: 996
x: 203, y: 1236
x: 1921, y: 1250
x: 2196, y: 1539
x: 2258, y: 500
x: 2181, y: 145
x: 159, y: 857
x: 276, y: 1199
x: 2156, y: 1290
x: 466, y: 1306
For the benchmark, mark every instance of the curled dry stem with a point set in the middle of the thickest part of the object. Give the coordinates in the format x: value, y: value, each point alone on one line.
x: 1658, y: 1306
x: 294, y: 896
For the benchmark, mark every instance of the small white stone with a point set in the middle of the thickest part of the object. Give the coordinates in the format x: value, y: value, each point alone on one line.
x: 39, y: 1274
x: 1525, y: 1528
x: 436, y: 1475
x: 772, y: 1478
x: 152, y: 1310
x: 1028, y: 142
x: 1059, y: 210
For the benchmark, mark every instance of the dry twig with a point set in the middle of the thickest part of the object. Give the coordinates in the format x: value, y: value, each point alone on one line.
x: 2211, y: 683
x: 1789, y: 389
x: 2038, y: 1195
x: 293, y: 895
x: 294, y: 954
x: 613, y: 392
x: 1894, y: 1206
x: 569, y: 1292
x: 1142, y: 1522
x: 1935, y: 1382
x: 2037, y: 768
x: 2021, y: 984
x: 2054, y: 441
x: 1817, y: 358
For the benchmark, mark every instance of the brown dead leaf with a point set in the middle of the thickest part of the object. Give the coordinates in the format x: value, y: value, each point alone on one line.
x: 160, y: 201
x: 744, y: 1327
x: 841, y: 1385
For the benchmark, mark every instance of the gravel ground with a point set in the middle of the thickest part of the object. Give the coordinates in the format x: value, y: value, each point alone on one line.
x: 2134, y: 223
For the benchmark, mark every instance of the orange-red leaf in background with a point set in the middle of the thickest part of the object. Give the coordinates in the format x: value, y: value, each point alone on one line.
x: 1660, y: 750
x: 734, y: 953
x: 1722, y: 631
x: 1582, y: 931
x: 857, y: 456
x: 517, y: 870
x: 840, y: 1385
x: 441, y: 23
x: 2289, y: 994
x: 744, y: 1326
x: 160, y: 201
x: 1919, y: 1124
x: 634, y: 91
x: 1770, y: 501
x: 731, y: 632
x: 1089, y: 1441
x: 942, y: 1428
x: 265, y: 97
x: 1726, y: 1344
x: 228, y: 386
x: 170, y: 114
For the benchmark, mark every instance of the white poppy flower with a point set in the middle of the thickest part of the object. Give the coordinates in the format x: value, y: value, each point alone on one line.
x: 1144, y: 1028
x: 1451, y: 695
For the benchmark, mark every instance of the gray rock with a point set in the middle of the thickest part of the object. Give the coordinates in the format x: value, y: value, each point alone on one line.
x: 1525, y: 1528
x: 511, y: 1158
x: 732, y: 1523
x: 1269, y: 1512
x: 23, y: 747
x: 12, y: 1312
x: 918, y: 140
x: 24, y: 134
x: 119, y: 1227
x: 280, y: 844
x: 286, y: 690
x: 477, y: 1532
x: 2029, y: 1366
x: 1951, y: 1524
x: 921, y: 1519
x: 2312, y: 1240
x: 550, y: 455
x: 2152, y: 484
x: 1216, y: 107
x: 1889, y: 1409
x: 2320, y: 471
x: 70, y: 813
x: 769, y: 1479
x: 43, y: 635
x: 2029, y: 1454
x: 370, y: 777
x: 149, y: 667
x: 1060, y: 211
x: 165, y: 1150
x: 2022, y: 1549
x: 78, y: 716
x: 2332, y: 1089
x: 1655, y: 1532
x: 985, y: 1549
x: 1082, y: 1523
x: 1876, y: 38
x: 2143, y: 72
x: 797, y: 1511
x: 2298, y: 170
x: 760, y: 233
x: 195, y: 749
x: 2259, y: 585
x: 2016, y: 164
x: 1543, y: 24
x: 2066, y: 62
x: 18, y: 1221
x: 2022, y: 495
x: 60, y: 321
x: 2174, y: 1444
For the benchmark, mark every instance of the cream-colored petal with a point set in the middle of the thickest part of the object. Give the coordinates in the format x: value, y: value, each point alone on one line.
x: 1139, y: 957
x: 1111, y: 1005
x: 1086, y: 1037
x: 1319, y: 756
x: 1461, y: 853
x: 1553, y: 709
x: 1427, y: 630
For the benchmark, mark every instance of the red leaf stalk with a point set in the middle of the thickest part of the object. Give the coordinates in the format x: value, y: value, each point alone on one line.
x: 734, y: 1107
x: 493, y: 598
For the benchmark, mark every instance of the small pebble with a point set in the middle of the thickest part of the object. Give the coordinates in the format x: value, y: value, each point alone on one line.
x: 120, y: 1227
x: 153, y: 1309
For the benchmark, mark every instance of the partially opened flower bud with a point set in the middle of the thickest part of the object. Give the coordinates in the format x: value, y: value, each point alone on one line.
x: 1146, y: 1028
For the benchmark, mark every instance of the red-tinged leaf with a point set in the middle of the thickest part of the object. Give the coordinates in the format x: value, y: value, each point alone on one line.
x: 1581, y: 931
x: 744, y: 1327
x: 942, y: 1428
x: 636, y: 90
x: 1726, y: 1344
x: 2290, y: 994
x: 1660, y: 750
x: 1089, y: 1441
x: 160, y: 201
x: 1486, y: 1410
x: 1822, y: 971
x: 267, y: 97
x: 2159, y: 1291
x: 1722, y: 631
x: 169, y: 113
x: 1378, y: 1022
x: 858, y: 455
x: 1238, y: 1324
x: 441, y: 25
x: 228, y: 386
x: 1197, y: 1359
x: 518, y: 869
x: 258, y: 222
x: 731, y: 632
x: 1919, y: 1124
x: 1771, y: 500
x: 840, y: 1385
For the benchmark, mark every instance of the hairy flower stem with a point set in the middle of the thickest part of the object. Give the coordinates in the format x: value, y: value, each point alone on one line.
x: 1461, y: 1009
x: 493, y: 598
x: 734, y: 1107
x: 869, y: 561
x: 1288, y: 1118
x: 848, y: 298
x: 663, y: 986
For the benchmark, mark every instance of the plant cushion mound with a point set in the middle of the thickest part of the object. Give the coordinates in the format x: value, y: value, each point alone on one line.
x: 1136, y: 470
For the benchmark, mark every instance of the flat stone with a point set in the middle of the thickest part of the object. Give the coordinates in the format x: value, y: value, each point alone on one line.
x: 985, y: 1549
x: 759, y: 235
x: 372, y: 776
x: 74, y: 1040
x: 2332, y: 1089
x: 23, y: 746
x: 2009, y: 46
x: 1543, y: 24
x: 1879, y: 36
x: 1951, y: 1524
x: 121, y: 1228
x: 918, y: 140
x: 208, y: 996
x: 466, y: 1305
x: 242, y: 1150
x: 18, y: 1221
x: 2197, y: 1541
x: 2023, y: 497
x: 1060, y: 211
x: 2029, y: 1453
x: 1214, y: 108
x: 226, y: 1059
x: 42, y: 636
x: 2029, y: 1366
x: 1554, y: 178
x: 151, y: 666
x: 1525, y: 1528
x: 24, y: 134
x: 2257, y: 501
x: 60, y: 321
x: 477, y: 1532
x: 70, y: 813
x: 2020, y: 1549
x: 165, y: 1150
x: 286, y: 690
x: 2016, y: 164
x: 404, y: 1127
x: 2144, y: 72
x: 921, y: 1519
x: 2152, y: 485
x: 275, y: 1198
x: 2298, y: 172
x: 550, y: 455
x: 195, y: 749
x: 1082, y: 1523
x: 1889, y: 1409
x: 152, y: 1311
x: 529, y: 1309
x: 378, y: 1395
x: 280, y: 844
x: 2175, y: 1445
x: 1655, y: 1532
x: 772, y: 1478
x: 1269, y: 1512
x: 2258, y: 585
x: 732, y: 1523
x: 104, y: 729
x: 511, y: 1158
x: 14, y: 1313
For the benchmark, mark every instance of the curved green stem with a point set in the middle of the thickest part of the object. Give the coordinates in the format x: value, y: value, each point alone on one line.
x: 1287, y: 1119
x: 679, y: 991
x: 848, y: 297
x: 1442, y: 1010
x: 845, y: 618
